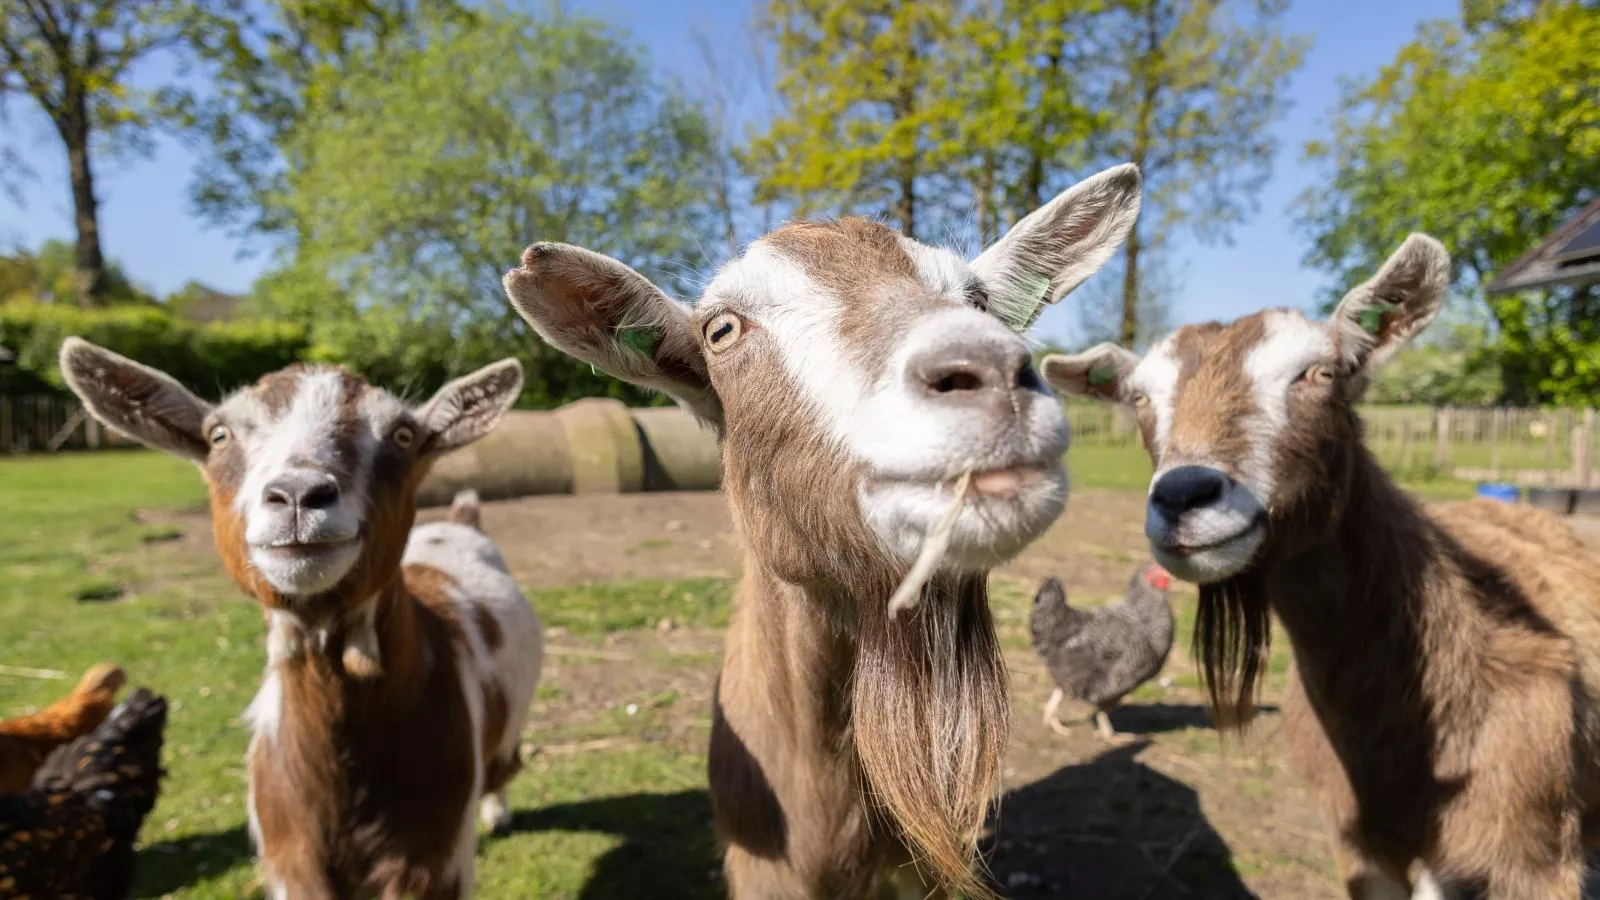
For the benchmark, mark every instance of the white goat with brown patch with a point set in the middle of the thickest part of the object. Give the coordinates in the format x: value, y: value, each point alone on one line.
x: 854, y: 375
x: 399, y: 672
x: 1447, y: 661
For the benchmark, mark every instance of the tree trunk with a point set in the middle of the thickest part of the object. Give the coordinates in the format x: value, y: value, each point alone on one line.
x: 987, y: 227
x: 88, y: 260
x: 906, y: 206
x: 1128, y: 332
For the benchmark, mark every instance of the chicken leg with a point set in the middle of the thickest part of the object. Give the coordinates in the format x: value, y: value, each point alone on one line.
x: 1051, y: 707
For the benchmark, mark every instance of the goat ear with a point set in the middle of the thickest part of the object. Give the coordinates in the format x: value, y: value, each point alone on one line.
x: 1379, y: 317
x: 598, y: 310
x: 1099, y: 373
x: 1051, y: 251
x: 145, y: 404
x: 471, y: 406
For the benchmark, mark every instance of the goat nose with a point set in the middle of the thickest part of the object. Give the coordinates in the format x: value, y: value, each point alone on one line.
x: 972, y: 373
x: 302, y: 490
x: 1187, y: 488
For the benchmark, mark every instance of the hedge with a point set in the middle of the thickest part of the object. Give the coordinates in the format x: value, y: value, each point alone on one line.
x: 209, y: 359
x: 410, y: 357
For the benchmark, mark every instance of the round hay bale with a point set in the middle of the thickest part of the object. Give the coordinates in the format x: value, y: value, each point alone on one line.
x: 606, y: 454
x: 526, y: 454
x: 680, y: 453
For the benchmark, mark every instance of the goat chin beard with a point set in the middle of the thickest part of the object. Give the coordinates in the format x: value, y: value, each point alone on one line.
x: 931, y: 721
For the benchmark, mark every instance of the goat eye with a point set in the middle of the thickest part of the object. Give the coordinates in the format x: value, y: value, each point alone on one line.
x: 723, y: 331
x: 1141, y: 399
x: 219, y: 436
x: 1319, y: 374
x: 404, y: 437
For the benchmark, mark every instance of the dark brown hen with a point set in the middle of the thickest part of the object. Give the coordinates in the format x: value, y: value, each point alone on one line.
x: 71, y: 834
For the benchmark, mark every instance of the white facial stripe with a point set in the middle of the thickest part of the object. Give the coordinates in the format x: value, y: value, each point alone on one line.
x: 1156, y: 377
x: 942, y: 271
x: 803, y: 320
x: 302, y: 435
x: 1291, y: 344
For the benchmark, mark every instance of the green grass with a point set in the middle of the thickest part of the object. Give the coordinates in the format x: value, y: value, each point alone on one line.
x: 604, y: 608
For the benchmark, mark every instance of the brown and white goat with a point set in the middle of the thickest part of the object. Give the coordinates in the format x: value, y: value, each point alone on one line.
x: 399, y: 672
x: 1447, y: 662
x: 854, y: 375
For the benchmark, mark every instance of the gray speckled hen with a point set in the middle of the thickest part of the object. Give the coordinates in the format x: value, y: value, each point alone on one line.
x: 1099, y: 655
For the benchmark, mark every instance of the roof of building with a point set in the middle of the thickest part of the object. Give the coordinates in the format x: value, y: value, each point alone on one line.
x: 1570, y: 255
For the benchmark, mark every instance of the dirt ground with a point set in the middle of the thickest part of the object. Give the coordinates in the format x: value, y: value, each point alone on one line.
x: 1177, y: 811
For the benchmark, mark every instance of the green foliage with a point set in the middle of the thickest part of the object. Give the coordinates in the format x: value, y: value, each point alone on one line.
x: 209, y: 359
x: 493, y: 131
x: 1447, y: 367
x: 50, y: 276
x: 952, y: 114
x: 1484, y: 136
x: 262, y: 61
x: 868, y: 104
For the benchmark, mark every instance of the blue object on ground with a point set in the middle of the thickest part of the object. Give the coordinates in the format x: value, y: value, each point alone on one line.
x: 1505, y: 493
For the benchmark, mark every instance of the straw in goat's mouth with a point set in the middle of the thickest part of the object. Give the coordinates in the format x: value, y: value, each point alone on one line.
x: 934, y: 545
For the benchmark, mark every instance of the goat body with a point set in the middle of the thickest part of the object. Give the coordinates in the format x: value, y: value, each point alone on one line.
x: 373, y: 783
x: 1443, y: 700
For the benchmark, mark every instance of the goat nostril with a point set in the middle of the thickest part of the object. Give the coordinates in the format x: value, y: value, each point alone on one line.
x: 275, y: 497
x: 321, y: 496
x: 960, y: 380
x: 1028, y: 379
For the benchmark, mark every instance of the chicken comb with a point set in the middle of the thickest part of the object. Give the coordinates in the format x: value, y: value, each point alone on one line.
x: 1157, y: 577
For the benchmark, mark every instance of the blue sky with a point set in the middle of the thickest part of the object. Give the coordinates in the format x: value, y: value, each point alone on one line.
x: 147, y: 225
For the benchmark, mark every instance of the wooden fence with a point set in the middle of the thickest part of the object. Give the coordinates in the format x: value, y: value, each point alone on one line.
x: 1524, y: 446
x: 45, y: 423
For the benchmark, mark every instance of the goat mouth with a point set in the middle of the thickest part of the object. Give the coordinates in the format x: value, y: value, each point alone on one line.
x: 1004, y: 483
x: 302, y: 549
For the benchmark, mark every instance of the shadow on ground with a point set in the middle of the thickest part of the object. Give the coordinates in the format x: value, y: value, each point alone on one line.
x: 1157, y: 718
x: 664, y: 836
x: 1110, y: 828
x: 170, y: 866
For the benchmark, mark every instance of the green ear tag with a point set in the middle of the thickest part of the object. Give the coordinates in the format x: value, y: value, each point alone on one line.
x: 1102, y: 375
x: 1028, y: 304
x: 1371, y: 320
x: 641, y: 338
x: 1372, y: 316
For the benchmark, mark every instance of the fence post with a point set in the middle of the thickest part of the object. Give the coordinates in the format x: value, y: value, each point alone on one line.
x: 1441, y: 444
x: 1583, y: 451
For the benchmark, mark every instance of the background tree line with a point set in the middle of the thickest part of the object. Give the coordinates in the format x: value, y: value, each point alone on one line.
x: 398, y: 154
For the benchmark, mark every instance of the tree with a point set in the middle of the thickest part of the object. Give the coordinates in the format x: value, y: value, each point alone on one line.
x: 262, y: 60
x: 1487, y: 137
x: 1100, y: 306
x: 866, y: 106
x: 1020, y: 123
x: 1189, y: 90
x: 72, y: 59
x: 50, y: 276
x: 492, y: 132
